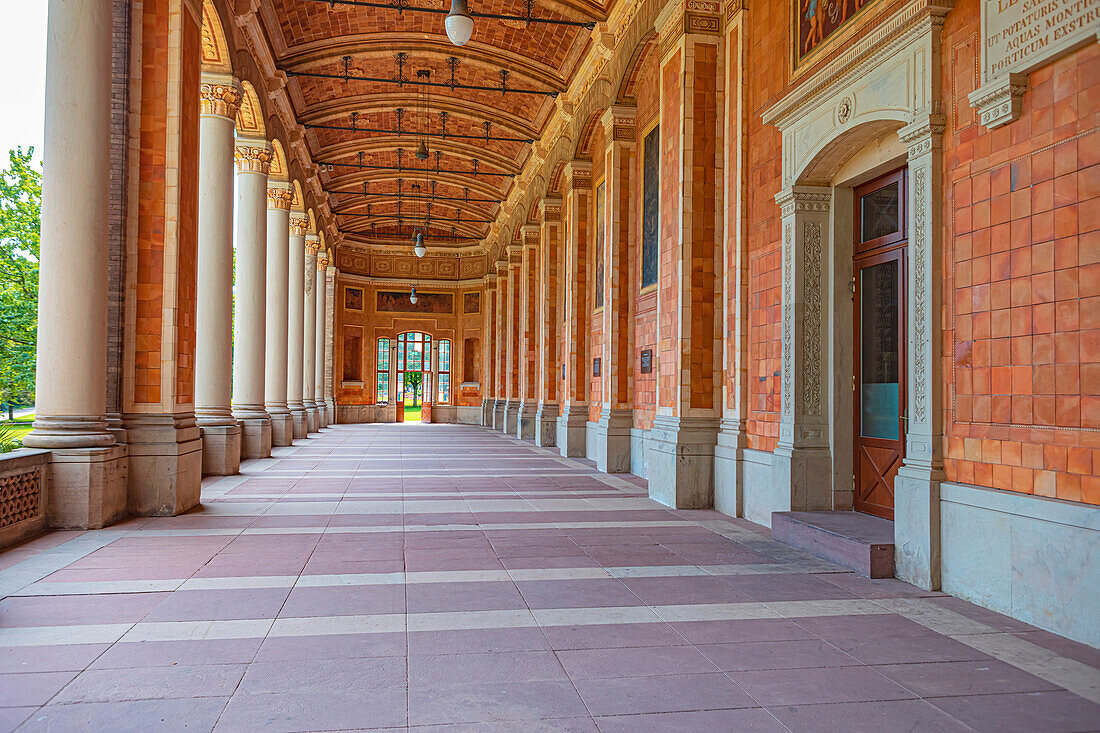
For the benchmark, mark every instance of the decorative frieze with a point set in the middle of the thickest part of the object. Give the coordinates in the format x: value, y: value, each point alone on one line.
x: 619, y: 123
x: 687, y: 17
x: 811, y: 328
x: 550, y: 208
x: 578, y: 175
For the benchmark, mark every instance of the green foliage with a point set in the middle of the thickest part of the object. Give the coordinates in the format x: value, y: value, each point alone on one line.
x: 11, y: 437
x: 20, y: 226
x: 412, y: 385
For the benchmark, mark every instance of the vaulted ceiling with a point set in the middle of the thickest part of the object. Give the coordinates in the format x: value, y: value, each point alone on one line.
x: 355, y: 80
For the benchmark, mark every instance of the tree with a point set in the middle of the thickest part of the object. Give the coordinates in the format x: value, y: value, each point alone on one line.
x: 20, y: 226
x: 412, y: 384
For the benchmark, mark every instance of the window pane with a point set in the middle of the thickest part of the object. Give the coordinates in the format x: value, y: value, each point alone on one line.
x: 880, y: 213
x: 878, y: 331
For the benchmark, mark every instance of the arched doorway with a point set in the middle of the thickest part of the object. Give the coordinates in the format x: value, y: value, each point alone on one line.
x: 414, y: 375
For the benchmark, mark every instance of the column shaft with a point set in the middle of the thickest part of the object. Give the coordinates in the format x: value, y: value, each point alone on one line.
x: 572, y: 425
x: 319, y: 341
x: 279, y: 199
x: 330, y: 344
x: 221, y: 435
x: 512, y: 345
x: 549, y: 314
x: 250, y: 301
x: 295, y: 328
x: 309, y: 341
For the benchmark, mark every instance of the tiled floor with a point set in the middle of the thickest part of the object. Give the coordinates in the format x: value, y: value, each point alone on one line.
x: 445, y: 578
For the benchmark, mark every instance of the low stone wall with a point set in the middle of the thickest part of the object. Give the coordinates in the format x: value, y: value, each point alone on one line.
x: 23, y: 477
x: 352, y: 414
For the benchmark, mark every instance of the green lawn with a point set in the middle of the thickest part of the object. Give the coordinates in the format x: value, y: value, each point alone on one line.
x: 412, y: 414
x: 19, y: 429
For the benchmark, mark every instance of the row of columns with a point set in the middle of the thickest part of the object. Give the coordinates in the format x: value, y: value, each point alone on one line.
x: 260, y: 363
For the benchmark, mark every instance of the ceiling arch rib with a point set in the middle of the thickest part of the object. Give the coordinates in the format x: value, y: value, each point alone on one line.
x: 376, y: 144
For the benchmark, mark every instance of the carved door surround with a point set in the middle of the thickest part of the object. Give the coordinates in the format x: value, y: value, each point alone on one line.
x: 889, y: 81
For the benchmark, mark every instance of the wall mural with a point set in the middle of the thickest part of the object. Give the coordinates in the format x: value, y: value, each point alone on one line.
x: 398, y: 302
x: 471, y: 303
x: 353, y: 299
x: 651, y: 205
x: 598, y: 278
x: 815, y: 21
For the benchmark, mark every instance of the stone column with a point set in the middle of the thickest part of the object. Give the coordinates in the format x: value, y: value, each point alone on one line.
x: 295, y: 346
x: 729, y: 466
x: 279, y: 198
x: 250, y: 304
x: 488, y: 361
x: 512, y: 325
x: 685, y: 428
x: 617, y: 413
x: 528, y: 330
x: 549, y: 313
x: 917, y: 484
x: 221, y: 435
x: 802, y: 465
x: 309, y: 342
x: 573, y: 422
x: 499, y: 336
x: 319, y: 351
x: 87, y: 480
x: 330, y: 345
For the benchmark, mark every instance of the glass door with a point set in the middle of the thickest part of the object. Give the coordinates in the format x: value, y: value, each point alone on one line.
x: 880, y: 358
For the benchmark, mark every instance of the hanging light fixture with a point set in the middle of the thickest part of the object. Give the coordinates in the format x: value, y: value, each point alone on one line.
x: 412, y: 296
x: 460, y: 26
x: 420, y: 249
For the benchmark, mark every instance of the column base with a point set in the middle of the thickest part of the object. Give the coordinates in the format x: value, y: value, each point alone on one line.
x: 86, y: 487
x: 165, y: 475
x: 322, y: 415
x: 300, y: 422
x: 487, y: 413
x: 313, y: 420
x: 256, y: 438
x: 803, y: 477
x: 546, y: 424
x: 330, y: 412
x: 572, y: 435
x: 511, y: 416
x: 221, y: 449
x: 282, y: 429
x: 613, y: 440
x: 729, y: 478
x: 917, y: 525
x: 498, y: 415
x: 681, y: 461
x: 525, y: 420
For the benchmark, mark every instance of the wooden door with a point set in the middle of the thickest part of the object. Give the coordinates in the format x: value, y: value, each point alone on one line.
x: 880, y: 342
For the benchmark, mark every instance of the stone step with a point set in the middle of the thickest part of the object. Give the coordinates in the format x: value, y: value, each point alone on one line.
x: 852, y: 540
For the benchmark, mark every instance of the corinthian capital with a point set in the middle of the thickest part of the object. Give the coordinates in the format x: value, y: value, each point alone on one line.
x: 279, y: 198
x: 313, y: 245
x: 322, y: 261
x: 298, y: 225
x: 252, y: 157
x: 221, y: 97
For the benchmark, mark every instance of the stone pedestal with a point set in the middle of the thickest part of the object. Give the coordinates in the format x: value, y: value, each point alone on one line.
x: 613, y: 440
x: 572, y: 431
x: 487, y: 413
x: 525, y: 420
x: 917, y: 526
x: 805, y: 475
x: 511, y: 416
x: 255, y: 438
x: 729, y: 482
x: 313, y: 419
x: 681, y: 461
x: 498, y: 415
x: 221, y: 449
x: 282, y: 429
x: 165, y: 473
x: 87, y: 487
x: 546, y: 424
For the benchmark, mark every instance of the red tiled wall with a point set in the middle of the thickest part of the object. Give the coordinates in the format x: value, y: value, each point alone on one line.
x: 668, y: 349
x: 595, y: 344
x: 187, y: 222
x: 645, y: 305
x: 1022, y: 285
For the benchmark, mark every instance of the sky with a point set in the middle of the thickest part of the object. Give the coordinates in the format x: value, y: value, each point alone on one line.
x: 22, y: 83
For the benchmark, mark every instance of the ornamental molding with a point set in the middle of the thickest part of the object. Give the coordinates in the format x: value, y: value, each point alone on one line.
x: 788, y: 319
x: 279, y: 197
x: 322, y: 261
x: 397, y: 282
x: 313, y: 245
x: 883, y: 42
x: 683, y: 18
x: 220, y: 98
x: 922, y: 306
x: 811, y: 325
x: 252, y: 157
x: 1000, y: 101
x: 924, y: 134
x: 619, y: 124
x: 803, y: 199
